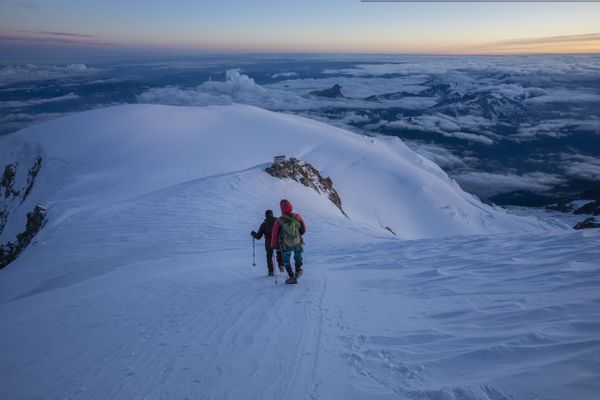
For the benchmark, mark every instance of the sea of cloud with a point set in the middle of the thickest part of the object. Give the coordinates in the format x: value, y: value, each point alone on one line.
x: 453, y: 110
x: 581, y: 166
x: 488, y: 184
x: 292, y: 95
x: 10, y: 74
x: 37, y: 101
x: 518, y: 64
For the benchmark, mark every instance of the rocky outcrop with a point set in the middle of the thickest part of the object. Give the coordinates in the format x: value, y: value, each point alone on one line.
x: 589, y: 223
x: 333, y: 92
x: 35, y: 221
x: 591, y: 208
x: 8, y: 181
x: 585, y: 203
x: 31, y: 175
x: 3, y: 218
x: 16, y: 184
x: 306, y: 174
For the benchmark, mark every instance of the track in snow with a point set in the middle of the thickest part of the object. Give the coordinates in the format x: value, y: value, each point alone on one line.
x: 156, y: 298
x: 426, y: 319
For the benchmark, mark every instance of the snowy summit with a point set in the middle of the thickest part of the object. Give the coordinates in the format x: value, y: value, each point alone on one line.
x: 140, y: 283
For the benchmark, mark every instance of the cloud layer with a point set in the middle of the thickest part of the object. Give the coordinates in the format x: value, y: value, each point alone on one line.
x: 490, y: 184
x: 11, y: 74
x: 35, y: 102
x: 289, y: 95
x: 497, y: 124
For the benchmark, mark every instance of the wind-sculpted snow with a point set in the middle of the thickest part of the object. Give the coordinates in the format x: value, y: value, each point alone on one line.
x: 141, y: 283
x: 156, y: 297
x: 480, y: 318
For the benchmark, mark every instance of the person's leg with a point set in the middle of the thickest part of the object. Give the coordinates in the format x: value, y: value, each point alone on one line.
x: 279, y: 261
x: 270, y: 260
x: 286, y: 256
x: 298, y: 261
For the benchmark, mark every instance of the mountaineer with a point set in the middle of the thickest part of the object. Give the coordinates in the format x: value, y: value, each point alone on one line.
x: 287, y: 238
x: 265, y: 229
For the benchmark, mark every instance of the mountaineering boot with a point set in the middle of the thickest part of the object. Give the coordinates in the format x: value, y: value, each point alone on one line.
x: 288, y: 268
x: 281, y: 269
x: 291, y: 280
x: 299, y: 270
x: 271, y: 272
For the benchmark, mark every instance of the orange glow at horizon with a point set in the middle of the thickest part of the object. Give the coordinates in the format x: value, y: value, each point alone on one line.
x: 402, y: 46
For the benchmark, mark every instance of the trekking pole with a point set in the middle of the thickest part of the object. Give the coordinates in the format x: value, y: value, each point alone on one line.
x: 253, y: 253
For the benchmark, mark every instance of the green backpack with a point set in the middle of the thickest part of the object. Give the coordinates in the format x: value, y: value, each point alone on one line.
x: 290, y: 231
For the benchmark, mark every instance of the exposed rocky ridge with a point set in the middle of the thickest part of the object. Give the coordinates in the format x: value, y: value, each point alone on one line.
x: 16, y: 184
x: 591, y: 207
x: 31, y: 175
x: 306, y: 174
x: 8, y: 181
x: 589, y: 223
x: 15, y: 189
x: 3, y: 217
x: 333, y: 92
x: 35, y: 221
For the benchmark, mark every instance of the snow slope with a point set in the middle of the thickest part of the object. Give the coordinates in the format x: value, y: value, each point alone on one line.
x: 107, y: 155
x: 141, y: 284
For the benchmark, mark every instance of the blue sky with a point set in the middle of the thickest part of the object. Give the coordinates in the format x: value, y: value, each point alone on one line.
x: 296, y: 26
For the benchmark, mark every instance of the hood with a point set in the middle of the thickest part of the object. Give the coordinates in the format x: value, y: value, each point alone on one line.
x: 286, y: 206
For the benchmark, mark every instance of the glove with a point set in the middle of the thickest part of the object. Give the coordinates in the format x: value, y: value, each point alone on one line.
x: 253, y: 234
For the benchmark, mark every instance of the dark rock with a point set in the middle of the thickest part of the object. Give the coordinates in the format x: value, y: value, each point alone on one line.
x: 3, y: 218
x: 35, y: 222
x: 306, y: 174
x: 31, y: 175
x: 333, y: 92
x: 592, y: 208
x: 8, y: 181
x: 11, y: 196
x: 589, y: 223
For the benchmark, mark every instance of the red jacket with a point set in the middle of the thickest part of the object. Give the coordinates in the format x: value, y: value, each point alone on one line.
x: 286, y: 208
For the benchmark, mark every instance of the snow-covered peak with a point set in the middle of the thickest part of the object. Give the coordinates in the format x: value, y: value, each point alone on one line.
x: 147, y: 234
x: 101, y: 157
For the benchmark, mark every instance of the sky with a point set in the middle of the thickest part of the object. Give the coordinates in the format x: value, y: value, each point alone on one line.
x: 37, y: 28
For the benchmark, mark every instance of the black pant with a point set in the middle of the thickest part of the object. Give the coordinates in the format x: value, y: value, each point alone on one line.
x: 270, y: 252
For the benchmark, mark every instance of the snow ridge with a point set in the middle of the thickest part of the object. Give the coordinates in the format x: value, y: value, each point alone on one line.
x: 141, y: 282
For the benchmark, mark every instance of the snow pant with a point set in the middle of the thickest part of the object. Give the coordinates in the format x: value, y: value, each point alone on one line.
x: 270, y: 251
x: 286, y: 257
